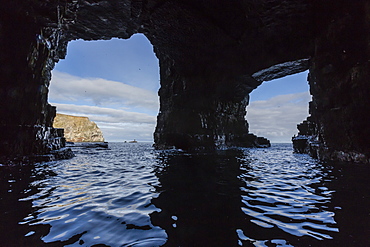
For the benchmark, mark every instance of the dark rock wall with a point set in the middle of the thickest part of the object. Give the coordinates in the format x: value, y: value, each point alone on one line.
x: 338, y: 128
x: 212, y: 55
x: 202, y: 110
x: 29, y: 36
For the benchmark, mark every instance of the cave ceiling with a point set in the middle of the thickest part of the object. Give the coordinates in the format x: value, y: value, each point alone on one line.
x: 202, y: 36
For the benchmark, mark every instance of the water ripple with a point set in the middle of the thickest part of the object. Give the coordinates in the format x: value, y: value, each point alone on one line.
x: 132, y: 195
x: 284, y: 194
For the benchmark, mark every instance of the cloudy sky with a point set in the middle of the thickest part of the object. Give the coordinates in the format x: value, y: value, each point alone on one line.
x: 115, y: 84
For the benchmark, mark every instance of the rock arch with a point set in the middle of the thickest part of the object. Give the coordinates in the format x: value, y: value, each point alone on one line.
x: 212, y: 55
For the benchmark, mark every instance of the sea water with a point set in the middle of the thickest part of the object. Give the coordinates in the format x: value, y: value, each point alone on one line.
x: 133, y: 195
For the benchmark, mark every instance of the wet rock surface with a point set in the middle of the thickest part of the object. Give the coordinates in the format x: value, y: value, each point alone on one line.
x: 338, y: 128
x: 212, y: 55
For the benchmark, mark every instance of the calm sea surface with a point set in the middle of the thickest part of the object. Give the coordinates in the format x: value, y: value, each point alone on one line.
x: 133, y: 195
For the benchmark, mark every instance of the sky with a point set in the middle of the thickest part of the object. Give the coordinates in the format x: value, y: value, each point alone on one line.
x: 115, y: 84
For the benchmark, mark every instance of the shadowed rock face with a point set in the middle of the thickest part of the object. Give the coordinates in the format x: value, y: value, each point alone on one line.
x: 212, y: 55
x: 338, y: 128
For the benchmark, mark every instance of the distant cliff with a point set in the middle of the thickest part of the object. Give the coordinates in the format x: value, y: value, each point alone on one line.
x: 78, y: 129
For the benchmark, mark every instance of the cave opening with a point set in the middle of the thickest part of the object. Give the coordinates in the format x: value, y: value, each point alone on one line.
x: 277, y: 106
x: 112, y: 82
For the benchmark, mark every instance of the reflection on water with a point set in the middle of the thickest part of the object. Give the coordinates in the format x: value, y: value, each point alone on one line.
x: 131, y: 195
x: 199, y: 198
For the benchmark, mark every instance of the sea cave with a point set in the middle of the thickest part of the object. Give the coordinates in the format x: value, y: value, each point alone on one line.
x: 211, y: 56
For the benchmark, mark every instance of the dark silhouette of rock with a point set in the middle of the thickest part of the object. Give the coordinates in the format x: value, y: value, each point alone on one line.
x: 212, y: 55
x: 338, y: 128
x: 307, y: 139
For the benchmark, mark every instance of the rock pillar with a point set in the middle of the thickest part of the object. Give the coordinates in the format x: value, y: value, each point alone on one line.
x: 338, y: 128
x: 203, y: 111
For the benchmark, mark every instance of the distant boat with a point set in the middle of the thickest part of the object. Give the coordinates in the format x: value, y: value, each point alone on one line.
x: 134, y: 141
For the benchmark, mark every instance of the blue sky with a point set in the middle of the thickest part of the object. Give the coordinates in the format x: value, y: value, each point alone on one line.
x: 115, y: 84
x: 130, y: 61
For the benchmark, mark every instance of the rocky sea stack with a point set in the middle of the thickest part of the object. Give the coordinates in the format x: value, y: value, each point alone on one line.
x: 78, y: 129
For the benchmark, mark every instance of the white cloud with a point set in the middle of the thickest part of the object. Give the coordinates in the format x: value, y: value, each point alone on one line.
x: 127, y: 132
x: 118, y: 109
x: 121, y: 111
x: 101, y: 92
x: 277, y: 118
x: 105, y: 115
